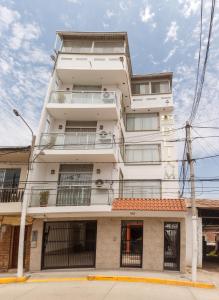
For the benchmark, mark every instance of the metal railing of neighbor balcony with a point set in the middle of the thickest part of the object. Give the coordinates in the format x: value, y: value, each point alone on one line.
x: 77, y: 140
x: 70, y: 196
x: 83, y: 97
x: 11, y: 195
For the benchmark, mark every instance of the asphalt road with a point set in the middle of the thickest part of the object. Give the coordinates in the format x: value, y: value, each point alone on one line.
x: 96, y: 290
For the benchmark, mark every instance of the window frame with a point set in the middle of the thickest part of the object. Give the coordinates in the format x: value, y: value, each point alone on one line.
x: 139, y: 130
x: 144, y: 163
x: 144, y: 180
x: 150, y: 87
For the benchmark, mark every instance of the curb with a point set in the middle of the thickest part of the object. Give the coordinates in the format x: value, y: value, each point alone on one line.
x: 152, y: 280
x: 175, y: 282
x: 13, y: 279
x: 59, y: 279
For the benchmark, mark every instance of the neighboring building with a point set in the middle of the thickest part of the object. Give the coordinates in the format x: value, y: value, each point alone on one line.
x: 106, y: 160
x: 208, y: 233
x: 13, y: 172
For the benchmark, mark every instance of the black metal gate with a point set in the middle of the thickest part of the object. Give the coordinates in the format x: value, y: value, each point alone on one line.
x: 69, y: 244
x: 172, y: 246
x: 131, y: 244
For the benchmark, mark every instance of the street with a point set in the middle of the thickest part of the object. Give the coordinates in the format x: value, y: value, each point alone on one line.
x: 97, y: 290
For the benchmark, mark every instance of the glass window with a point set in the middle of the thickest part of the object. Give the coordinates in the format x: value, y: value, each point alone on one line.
x: 75, y: 175
x: 9, y: 178
x: 77, y: 46
x: 142, y: 189
x: 145, y: 121
x: 109, y: 47
x: 160, y: 87
x: 142, y: 154
x: 141, y: 88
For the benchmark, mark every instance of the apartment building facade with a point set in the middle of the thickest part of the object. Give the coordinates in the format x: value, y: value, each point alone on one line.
x: 105, y: 191
x: 13, y: 172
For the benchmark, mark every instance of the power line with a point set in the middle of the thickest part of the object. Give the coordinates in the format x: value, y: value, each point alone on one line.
x: 200, y: 84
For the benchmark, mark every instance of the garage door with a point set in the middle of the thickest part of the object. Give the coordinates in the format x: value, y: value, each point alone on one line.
x: 69, y: 244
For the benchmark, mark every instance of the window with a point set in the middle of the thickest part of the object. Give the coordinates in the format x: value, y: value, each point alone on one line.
x: 77, y: 46
x: 9, y: 178
x: 108, y: 47
x: 89, y: 88
x: 151, y: 87
x: 142, y: 154
x: 142, y: 189
x: 160, y: 87
x: 141, y: 88
x: 140, y: 122
x: 75, y: 175
x: 74, y: 184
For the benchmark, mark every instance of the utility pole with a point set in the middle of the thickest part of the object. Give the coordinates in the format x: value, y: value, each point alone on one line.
x: 193, y: 203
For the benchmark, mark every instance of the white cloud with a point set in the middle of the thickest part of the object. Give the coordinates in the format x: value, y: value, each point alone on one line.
x: 7, y: 16
x: 146, y: 14
x: 189, y: 7
x: 110, y: 13
x: 73, y: 1
x: 21, y: 33
x: 170, y: 54
x: 172, y: 32
x: 125, y: 4
x: 24, y: 66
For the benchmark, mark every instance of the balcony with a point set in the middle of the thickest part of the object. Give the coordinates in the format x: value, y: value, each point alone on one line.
x: 84, y: 105
x: 153, y: 102
x: 69, y: 198
x: 78, y: 146
x: 91, y: 69
x: 10, y: 200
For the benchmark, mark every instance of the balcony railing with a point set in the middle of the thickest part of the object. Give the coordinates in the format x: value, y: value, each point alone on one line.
x: 77, y: 140
x: 83, y: 97
x: 69, y: 196
x: 11, y: 195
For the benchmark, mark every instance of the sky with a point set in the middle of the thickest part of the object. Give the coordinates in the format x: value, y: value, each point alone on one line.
x: 163, y: 36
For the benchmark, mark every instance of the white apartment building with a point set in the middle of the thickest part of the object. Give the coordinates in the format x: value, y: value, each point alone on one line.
x: 105, y: 190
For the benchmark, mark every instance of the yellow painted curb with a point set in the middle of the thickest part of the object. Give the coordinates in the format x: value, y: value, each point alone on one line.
x: 57, y: 279
x: 152, y: 280
x: 12, y: 280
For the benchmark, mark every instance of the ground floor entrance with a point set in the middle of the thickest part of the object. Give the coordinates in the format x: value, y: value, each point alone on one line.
x: 153, y: 244
x: 70, y: 244
x: 131, y: 244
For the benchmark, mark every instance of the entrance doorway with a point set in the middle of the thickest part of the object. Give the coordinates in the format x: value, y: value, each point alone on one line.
x: 14, y: 246
x: 172, y: 246
x: 131, y: 244
x: 69, y: 244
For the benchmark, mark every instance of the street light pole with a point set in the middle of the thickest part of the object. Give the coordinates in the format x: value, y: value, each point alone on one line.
x: 20, y: 266
x: 193, y: 204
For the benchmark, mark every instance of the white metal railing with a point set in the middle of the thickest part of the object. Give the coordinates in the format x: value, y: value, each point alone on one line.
x: 69, y: 195
x: 83, y: 97
x: 77, y: 140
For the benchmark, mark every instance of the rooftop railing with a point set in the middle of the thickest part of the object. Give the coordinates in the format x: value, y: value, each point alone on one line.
x: 83, y: 97
x: 77, y: 140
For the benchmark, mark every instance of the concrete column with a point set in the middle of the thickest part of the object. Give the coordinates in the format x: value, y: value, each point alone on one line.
x: 108, y: 243
x: 36, y: 252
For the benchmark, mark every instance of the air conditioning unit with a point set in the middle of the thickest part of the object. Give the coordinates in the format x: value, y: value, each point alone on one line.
x: 106, y: 96
x: 104, y: 137
x: 100, y: 184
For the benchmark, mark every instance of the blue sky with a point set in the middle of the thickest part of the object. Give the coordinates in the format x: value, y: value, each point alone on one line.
x: 163, y: 36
